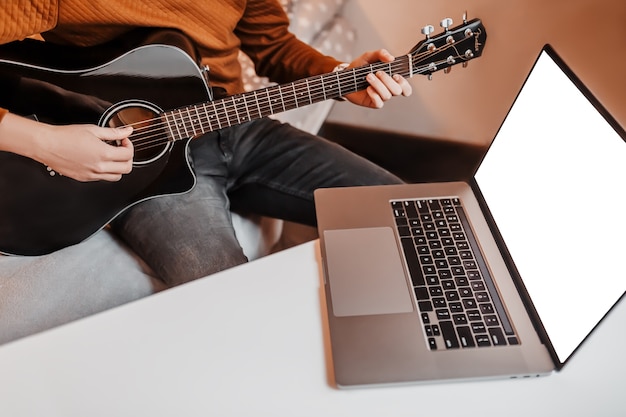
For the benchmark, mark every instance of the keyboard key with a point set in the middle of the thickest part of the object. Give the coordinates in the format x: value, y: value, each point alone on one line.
x: 440, y: 302
x: 435, y: 291
x: 491, y: 321
x: 452, y: 296
x: 456, y: 307
x: 474, y: 315
x: 412, y: 262
x: 409, y: 207
x: 483, y: 340
x: 432, y: 280
x: 448, y: 284
x: 425, y: 306
x: 497, y: 337
x: 486, y: 308
x: 479, y: 328
x: 512, y: 340
x: 443, y: 314
x: 432, y: 343
x: 449, y: 335
x: 459, y: 319
x: 482, y: 297
x: 465, y: 336
x: 422, y: 293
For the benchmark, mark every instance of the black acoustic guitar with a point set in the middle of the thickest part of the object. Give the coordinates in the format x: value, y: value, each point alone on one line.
x: 151, y: 87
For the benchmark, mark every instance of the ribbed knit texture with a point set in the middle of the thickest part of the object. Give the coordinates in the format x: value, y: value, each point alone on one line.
x: 219, y: 28
x: 22, y: 18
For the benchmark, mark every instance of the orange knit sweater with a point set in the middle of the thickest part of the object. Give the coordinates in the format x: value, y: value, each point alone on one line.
x: 219, y: 29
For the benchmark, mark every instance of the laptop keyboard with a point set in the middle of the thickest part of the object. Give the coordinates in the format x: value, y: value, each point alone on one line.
x: 456, y: 297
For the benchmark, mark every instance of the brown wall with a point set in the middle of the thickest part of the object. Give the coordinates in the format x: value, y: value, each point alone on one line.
x: 469, y: 104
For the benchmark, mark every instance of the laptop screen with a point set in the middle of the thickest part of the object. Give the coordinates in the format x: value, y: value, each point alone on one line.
x: 554, y: 179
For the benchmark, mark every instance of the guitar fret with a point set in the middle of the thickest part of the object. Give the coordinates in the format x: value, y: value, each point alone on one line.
x: 308, y: 89
x: 176, y: 125
x: 209, y: 118
x: 258, y: 107
x: 245, y: 103
x: 227, y: 120
x: 217, y: 116
x: 295, y: 95
x: 199, y: 117
x: 169, y: 126
x: 269, y: 100
x: 338, y: 83
x: 235, y: 109
x: 193, y: 128
x: 182, y: 123
x: 281, y: 97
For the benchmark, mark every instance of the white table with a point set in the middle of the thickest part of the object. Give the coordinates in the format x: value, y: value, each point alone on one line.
x: 252, y: 341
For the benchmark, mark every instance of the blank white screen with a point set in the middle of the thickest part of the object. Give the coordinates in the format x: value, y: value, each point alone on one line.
x: 554, y: 180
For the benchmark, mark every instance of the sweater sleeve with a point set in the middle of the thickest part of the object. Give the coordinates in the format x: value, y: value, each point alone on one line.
x: 276, y: 52
x: 3, y: 113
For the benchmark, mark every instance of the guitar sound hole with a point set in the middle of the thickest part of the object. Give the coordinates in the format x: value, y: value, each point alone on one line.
x: 149, y: 136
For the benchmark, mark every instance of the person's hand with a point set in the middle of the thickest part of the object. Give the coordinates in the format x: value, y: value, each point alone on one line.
x: 382, y: 85
x: 81, y: 152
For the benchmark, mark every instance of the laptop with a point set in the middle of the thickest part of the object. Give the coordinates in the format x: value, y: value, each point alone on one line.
x: 499, y: 276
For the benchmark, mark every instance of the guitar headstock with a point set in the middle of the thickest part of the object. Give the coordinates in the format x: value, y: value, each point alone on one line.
x: 455, y: 45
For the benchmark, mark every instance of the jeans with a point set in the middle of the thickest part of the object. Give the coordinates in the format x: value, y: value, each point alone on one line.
x: 263, y: 167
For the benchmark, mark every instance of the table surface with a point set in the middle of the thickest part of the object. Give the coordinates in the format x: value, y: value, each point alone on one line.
x: 252, y: 341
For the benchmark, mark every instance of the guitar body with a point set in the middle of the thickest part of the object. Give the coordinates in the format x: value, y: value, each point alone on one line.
x: 56, y: 211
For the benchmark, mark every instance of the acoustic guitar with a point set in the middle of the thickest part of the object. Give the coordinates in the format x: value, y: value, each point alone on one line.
x: 162, y: 92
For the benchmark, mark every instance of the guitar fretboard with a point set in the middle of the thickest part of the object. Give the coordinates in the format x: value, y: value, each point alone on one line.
x: 195, y: 120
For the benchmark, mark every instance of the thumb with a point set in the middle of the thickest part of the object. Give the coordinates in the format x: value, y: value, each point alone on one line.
x: 117, y: 133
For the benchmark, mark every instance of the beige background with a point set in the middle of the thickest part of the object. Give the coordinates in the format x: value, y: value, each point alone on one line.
x: 469, y: 104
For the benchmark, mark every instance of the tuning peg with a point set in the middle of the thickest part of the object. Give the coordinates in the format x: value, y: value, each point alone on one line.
x: 427, y: 30
x: 446, y: 23
x: 447, y: 70
x: 465, y: 18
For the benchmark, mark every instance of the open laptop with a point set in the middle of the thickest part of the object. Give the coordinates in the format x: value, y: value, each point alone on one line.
x: 500, y: 276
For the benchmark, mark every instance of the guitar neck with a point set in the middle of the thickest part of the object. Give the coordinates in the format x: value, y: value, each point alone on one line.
x: 195, y: 120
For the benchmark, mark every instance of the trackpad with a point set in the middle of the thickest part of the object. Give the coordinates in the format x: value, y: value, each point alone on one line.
x: 365, y: 272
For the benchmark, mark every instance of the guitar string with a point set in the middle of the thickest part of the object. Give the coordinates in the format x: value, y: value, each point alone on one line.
x: 286, y: 102
x: 158, y: 138
x: 266, y: 103
x: 228, y: 106
x: 148, y: 142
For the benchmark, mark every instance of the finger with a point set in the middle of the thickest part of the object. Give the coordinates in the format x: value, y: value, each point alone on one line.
x: 385, y: 56
x: 383, y: 84
x: 110, y: 177
x: 376, y: 101
x: 123, y: 152
x: 407, y: 90
x: 117, y: 133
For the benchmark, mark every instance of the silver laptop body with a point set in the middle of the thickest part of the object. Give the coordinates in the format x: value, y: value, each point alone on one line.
x: 442, y: 296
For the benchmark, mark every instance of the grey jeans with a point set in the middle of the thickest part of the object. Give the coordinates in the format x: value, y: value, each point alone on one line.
x: 263, y: 167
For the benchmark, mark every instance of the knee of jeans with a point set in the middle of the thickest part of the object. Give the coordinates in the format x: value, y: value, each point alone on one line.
x: 191, y: 265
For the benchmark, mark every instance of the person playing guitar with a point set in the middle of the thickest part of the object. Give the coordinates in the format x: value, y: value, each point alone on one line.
x: 176, y: 217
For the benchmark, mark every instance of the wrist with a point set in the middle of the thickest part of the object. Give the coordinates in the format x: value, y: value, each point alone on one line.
x: 22, y: 136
